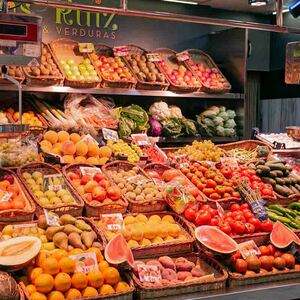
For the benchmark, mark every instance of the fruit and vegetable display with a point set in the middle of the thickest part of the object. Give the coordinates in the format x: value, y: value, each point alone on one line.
x: 218, y: 121
x: 122, y: 150
x: 15, y: 71
x: 28, y: 117
x: 279, y: 175
x: 74, y: 148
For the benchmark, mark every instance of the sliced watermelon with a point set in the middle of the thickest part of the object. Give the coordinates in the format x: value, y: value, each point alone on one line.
x: 281, y: 236
x: 117, y: 251
x: 215, y: 239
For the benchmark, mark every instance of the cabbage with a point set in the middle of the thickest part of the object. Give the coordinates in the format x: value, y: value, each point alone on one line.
x: 220, y: 131
x: 209, y: 113
x: 189, y: 127
x: 218, y: 121
x: 223, y: 115
x: 208, y: 122
x: 229, y: 132
x: 172, y: 127
x: 230, y: 124
x: 155, y: 128
x: 231, y: 113
x: 222, y: 108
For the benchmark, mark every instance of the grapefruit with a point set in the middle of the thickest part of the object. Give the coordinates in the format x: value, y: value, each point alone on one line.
x: 117, y: 251
x: 215, y: 239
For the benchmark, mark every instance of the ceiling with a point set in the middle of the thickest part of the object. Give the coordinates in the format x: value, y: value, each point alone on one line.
x: 241, y: 5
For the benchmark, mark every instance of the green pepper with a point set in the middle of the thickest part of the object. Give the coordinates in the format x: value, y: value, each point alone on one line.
x: 275, y: 218
x: 277, y: 207
x: 275, y: 212
x: 294, y: 205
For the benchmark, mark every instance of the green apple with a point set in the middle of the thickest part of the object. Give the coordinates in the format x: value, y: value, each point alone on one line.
x: 82, y: 68
x: 85, y: 74
x: 86, y: 62
x: 70, y: 62
x: 66, y: 68
x: 62, y: 62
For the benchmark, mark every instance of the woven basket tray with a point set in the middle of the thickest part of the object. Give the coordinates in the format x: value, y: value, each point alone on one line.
x: 169, y: 57
x: 17, y: 215
x: 136, y: 206
x: 166, y: 248
x: 247, y: 145
x: 198, y: 56
x: 46, y: 169
x: 20, y: 78
x: 141, y: 84
x: 102, y: 49
x: 217, y: 283
x: 119, y: 206
x: 44, y: 80
x: 64, y: 49
x: 22, y: 295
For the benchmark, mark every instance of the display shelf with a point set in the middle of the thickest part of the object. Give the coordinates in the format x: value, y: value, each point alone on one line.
x: 121, y: 92
x: 283, y: 290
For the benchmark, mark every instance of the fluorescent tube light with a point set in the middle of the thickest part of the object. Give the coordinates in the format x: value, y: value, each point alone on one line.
x: 182, y: 2
x: 283, y: 11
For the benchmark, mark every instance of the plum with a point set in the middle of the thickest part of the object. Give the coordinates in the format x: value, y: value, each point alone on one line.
x: 167, y: 262
x: 169, y: 274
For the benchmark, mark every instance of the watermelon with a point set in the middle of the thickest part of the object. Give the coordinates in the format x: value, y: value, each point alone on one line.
x: 117, y: 251
x: 281, y: 236
x: 215, y: 239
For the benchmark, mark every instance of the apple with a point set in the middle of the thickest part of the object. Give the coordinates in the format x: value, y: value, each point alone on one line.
x: 73, y: 175
x: 99, y: 193
x: 98, y: 177
x: 70, y: 62
x: 113, y: 193
x: 85, y: 179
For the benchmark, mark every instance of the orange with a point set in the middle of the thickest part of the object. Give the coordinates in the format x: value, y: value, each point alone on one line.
x: 44, y: 283
x: 97, y: 252
x: 111, y: 276
x: 79, y: 281
x: 103, y: 265
x: 30, y: 288
x: 63, y: 136
x: 59, y: 254
x: 105, y: 151
x: 55, y: 295
x: 122, y: 287
x: 95, y: 279
x: 67, y: 265
x: 106, y: 289
x: 51, y: 136
x: 75, y: 137
x: 76, y: 251
x: 93, y: 150
x: 89, y: 292
x: 37, y: 296
x: 73, y: 294
x: 50, y: 266
x: 34, y: 274
x: 62, y: 282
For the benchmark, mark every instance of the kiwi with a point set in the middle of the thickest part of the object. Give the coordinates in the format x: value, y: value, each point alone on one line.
x: 141, y: 64
x: 43, y: 59
x: 50, y: 61
x: 160, y: 77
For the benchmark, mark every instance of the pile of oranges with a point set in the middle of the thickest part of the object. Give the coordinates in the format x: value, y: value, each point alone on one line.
x: 53, y: 277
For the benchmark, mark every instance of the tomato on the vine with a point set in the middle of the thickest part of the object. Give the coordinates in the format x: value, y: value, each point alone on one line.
x: 266, y: 225
x: 256, y: 223
x: 235, y: 207
x: 190, y: 214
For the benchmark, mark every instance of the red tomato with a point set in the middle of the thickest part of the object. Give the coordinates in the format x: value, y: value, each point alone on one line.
x: 190, y: 214
x: 266, y: 225
x: 235, y: 207
x: 256, y: 223
x: 202, y: 218
x: 240, y: 218
x: 209, y: 174
x: 226, y: 195
x: 215, y: 196
x: 227, y: 172
x: 245, y: 206
x: 264, y: 250
x: 205, y: 207
x: 211, y: 184
x: 271, y: 249
x: 201, y: 185
x: 225, y: 227
x: 219, y: 179
x: 250, y: 228
x: 267, y: 192
x: 208, y: 191
x: 236, y: 194
x: 255, y: 178
x: 214, y: 221
x: 248, y: 215
x: 227, y: 214
x: 220, y: 189
x: 229, y: 189
x: 239, y: 227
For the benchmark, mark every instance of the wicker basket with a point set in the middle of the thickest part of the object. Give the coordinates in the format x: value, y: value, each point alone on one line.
x: 219, y: 282
x: 141, y: 84
x: 249, y: 145
x: 136, y: 206
x: 22, y: 295
x: 119, y: 206
x: 19, y: 78
x: 17, y: 215
x: 46, y: 169
x: 102, y: 49
x: 43, y: 80
x: 169, y: 57
x: 166, y: 248
x: 198, y: 56
x: 63, y: 49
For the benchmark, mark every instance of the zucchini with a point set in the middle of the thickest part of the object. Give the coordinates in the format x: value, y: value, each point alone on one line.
x: 294, y: 205
x: 265, y: 169
x: 275, y: 218
x: 275, y: 212
x: 280, y: 167
x: 281, y: 190
x: 277, y: 208
x: 268, y: 180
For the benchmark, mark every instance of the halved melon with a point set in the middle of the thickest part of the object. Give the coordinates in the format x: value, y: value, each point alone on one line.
x: 17, y: 252
x: 215, y: 239
x: 117, y: 251
x: 281, y: 236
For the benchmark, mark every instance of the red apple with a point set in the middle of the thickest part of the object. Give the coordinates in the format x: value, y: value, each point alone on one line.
x: 98, y: 177
x: 113, y: 193
x: 85, y: 179
x: 99, y: 193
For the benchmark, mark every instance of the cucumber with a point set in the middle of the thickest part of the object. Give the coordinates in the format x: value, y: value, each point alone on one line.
x: 264, y: 169
x: 275, y: 218
x: 277, y: 208
x: 275, y: 212
x: 294, y: 205
x: 280, y: 167
x: 281, y: 190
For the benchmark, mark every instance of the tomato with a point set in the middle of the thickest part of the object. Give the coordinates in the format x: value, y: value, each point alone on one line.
x: 227, y: 214
x: 237, y: 213
x: 190, y: 214
x: 234, y: 207
x: 220, y: 189
x: 228, y: 183
x: 256, y: 223
x: 185, y: 170
x: 219, y: 179
x: 250, y: 228
x: 201, y: 185
x: 215, y: 196
x: 205, y: 207
x: 199, y: 174
x: 226, y: 195
x: 214, y: 221
x: 227, y: 172
x: 202, y: 218
x: 211, y: 184
x: 189, y: 175
x: 255, y: 178
x: 271, y: 249
x: 248, y: 215
x: 245, y: 206
x: 240, y: 218
x: 229, y: 189
x: 264, y: 250
x: 239, y: 227
x: 225, y: 227
x: 267, y: 192
x: 5, y: 205
x: 213, y: 213
x: 196, y: 165
x: 236, y: 195
x: 209, y: 174
x: 266, y: 225
x: 208, y: 191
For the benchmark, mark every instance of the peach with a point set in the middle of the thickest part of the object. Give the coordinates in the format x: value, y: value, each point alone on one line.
x: 99, y: 193
x: 51, y: 136
x: 73, y: 175
x: 92, y: 161
x: 63, y: 136
x: 93, y: 150
x: 105, y: 151
x: 46, y: 144
x: 80, y: 159
x: 75, y: 137
x: 80, y: 190
x: 76, y: 182
x: 68, y: 148
x: 68, y: 159
x: 81, y: 149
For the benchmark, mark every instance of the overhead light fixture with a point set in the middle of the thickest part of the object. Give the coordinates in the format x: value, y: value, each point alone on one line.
x: 182, y: 2
x: 294, y: 8
x: 258, y: 2
x: 283, y: 11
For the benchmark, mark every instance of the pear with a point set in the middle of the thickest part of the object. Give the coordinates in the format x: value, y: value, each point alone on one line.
x: 51, y: 231
x: 80, y: 224
x: 69, y: 228
x: 60, y: 240
x: 42, y: 222
x: 75, y: 240
x: 67, y: 219
x: 88, y: 238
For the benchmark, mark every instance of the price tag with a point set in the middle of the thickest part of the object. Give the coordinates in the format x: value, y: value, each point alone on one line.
x: 32, y: 50
x: 229, y: 161
x: 183, y: 56
x: 153, y: 57
x: 53, y: 182
x: 141, y: 139
x: 149, y: 273
x: 5, y: 196
x: 248, y: 248
x: 91, y: 171
x: 120, y: 51
x: 113, y: 222
x: 52, y: 219
x: 109, y: 134
x: 89, y: 138
x: 85, y: 262
x: 220, y: 210
x: 183, y: 165
x: 25, y: 225
x: 86, y: 47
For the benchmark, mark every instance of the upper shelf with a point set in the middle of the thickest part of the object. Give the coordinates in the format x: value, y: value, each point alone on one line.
x: 122, y: 92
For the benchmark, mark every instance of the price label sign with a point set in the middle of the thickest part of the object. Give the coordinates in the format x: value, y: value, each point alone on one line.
x: 109, y: 134
x: 113, y: 222
x: 153, y: 57
x: 120, y: 51
x: 85, y: 262
x: 248, y: 248
x: 149, y: 273
x: 141, y: 139
x: 91, y: 171
x: 5, y: 196
x: 220, y: 210
x: 86, y: 47
x: 53, y: 182
x: 52, y: 219
x: 89, y: 138
x: 183, y: 56
x: 25, y: 225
